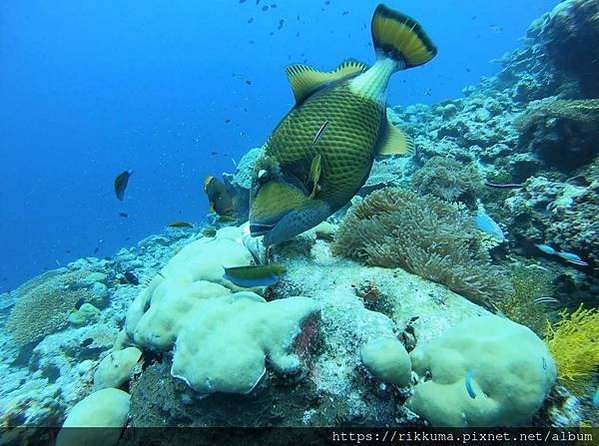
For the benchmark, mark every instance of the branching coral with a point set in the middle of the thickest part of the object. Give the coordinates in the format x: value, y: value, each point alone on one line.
x: 449, y: 180
x: 574, y: 344
x: 519, y: 306
x: 44, y: 303
x: 424, y: 235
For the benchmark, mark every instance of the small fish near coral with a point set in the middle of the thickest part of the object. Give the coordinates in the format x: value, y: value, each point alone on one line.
x: 221, y: 201
x: 120, y: 183
x: 489, y: 226
x: 468, y: 383
x: 180, y: 225
x: 128, y: 278
x: 503, y: 185
x: 569, y: 257
x: 254, y: 276
x: 321, y: 153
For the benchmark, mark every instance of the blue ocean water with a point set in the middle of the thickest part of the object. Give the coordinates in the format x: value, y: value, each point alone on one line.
x: 176, y: 91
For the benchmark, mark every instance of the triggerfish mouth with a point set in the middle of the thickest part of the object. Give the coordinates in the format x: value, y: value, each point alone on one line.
x: 321, y: 153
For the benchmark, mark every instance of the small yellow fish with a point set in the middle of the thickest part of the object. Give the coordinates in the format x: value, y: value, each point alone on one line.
x: 321, y: 153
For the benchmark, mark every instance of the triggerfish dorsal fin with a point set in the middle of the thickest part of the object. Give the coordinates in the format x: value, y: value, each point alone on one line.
x: 395, y: 142
x: 399, y: 37
x: 305, y: 80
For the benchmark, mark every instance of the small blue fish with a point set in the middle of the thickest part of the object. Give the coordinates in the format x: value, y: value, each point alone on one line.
x: 596, y: 399
x: 546, y: 249
x: 544, y: 363
x: 489, y: 226
x: 468, y: 384
x: 572, y: 258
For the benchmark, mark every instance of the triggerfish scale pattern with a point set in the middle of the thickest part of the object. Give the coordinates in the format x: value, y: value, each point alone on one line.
x: 321, y: 153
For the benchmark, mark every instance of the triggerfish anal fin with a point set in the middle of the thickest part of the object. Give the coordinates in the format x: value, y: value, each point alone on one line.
x: 395, y: 142
x: 305, y: 80
x: 400, y: 37
x: 315, y: 171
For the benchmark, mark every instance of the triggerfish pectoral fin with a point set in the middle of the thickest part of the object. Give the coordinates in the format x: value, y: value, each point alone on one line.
x: 296, y: 222
x: 395, y: 142
x: 315, y: 171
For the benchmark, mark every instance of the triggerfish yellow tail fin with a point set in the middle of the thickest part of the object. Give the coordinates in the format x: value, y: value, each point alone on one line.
x: 401, y: 38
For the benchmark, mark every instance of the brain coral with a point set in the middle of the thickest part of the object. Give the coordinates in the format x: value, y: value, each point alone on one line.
x: 484, y: 372
x: 424, y: 235
x: 44, y: 303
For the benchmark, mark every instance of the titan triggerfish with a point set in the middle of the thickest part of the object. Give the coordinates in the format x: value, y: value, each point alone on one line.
x: 321, y: 153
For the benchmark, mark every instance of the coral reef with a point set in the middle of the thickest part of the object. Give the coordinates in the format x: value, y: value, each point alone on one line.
x: 338, y: 355
x: 570, y: 37
x: 563, y: 132
x: 573, y: 343
x: 425, y: 235
x: 500, y: 377
x: 44, y: 303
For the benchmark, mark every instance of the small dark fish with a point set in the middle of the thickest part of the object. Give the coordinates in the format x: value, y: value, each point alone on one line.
x: 257, y: 2
x: 250, y: 20
x: 131, y: 278
x: 254, y: 276
x: 68, y: 251
x: 87, y: 341
x: 273, y: 5
x: 249, y: 82
x: 213, y: 153
x: 96, y: 250
x: 242, y: 1
x: 265, y: 8
x: 120, y: 183
x: 345, y: 12
x: 123, y: 214
x: 320, y: 132
x: 227, y: 121
x: 328, y: 2
x: 503, y: 185
x: 180, y: 225
x: 281, y: 23
x: 220, y: 199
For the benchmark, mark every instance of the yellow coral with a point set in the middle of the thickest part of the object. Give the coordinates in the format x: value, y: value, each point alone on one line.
x: 574, y: 344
